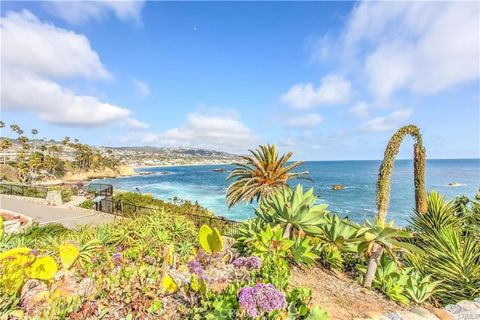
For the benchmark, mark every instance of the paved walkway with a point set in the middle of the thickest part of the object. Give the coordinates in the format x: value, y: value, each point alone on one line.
x: 44, y: 214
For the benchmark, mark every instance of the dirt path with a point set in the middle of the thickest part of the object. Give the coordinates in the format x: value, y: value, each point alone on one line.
x: 342, y: 298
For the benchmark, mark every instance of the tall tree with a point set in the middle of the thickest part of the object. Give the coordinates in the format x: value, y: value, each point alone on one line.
x: 5, y: 144
x: 384, y: 182
x: 263, y: 174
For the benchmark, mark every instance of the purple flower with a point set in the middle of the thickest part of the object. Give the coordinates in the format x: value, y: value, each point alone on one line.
x: 119, y: 248
x: 250, y: 263
x: 196, y: 268
x: 261, y: 298
x: 117, y: 259
x: 239, y: 262
x: 254, y: 262
x: 34, y: 252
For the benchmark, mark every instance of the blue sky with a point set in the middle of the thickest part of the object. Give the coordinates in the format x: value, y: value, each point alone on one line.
x: 327, y: 80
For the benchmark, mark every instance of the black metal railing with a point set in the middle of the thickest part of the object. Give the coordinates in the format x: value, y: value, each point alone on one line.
x: 108, y: 205
x: 225, y: 226
x: 101, y: 189
x: 23, y: 190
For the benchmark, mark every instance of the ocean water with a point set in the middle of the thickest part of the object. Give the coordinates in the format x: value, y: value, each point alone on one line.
x: 356, y: 201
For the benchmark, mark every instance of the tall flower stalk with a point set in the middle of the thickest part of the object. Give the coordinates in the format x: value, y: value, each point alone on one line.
x: 384, y: 182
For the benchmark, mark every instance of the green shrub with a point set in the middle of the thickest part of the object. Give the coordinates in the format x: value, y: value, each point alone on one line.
x: 66, y: 195
x: 87, y: 204
x: 36, y: 231
x: 147, y: 200
x: 451, y: 250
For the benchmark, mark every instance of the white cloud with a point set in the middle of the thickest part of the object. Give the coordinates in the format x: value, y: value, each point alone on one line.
x: 141, y: 87
x: 35, y: 56
x: 333, y: 89
x: 201, y: 130
x: 424, y: 47
x: 304, y: 121
x: 359, y: 110
x: 81, y: 12
x: 136, y: 124
x: 28, y: 45
x: 389, y: 122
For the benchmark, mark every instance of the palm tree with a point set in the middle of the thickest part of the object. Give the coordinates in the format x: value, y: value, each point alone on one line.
x: 263, y: 174
x: 34, y: 133
x: 65, y: 141
x: 383, y: 187
x: 4, y: 145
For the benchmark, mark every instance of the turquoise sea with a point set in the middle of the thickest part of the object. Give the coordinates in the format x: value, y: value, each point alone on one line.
x: 357, y: 200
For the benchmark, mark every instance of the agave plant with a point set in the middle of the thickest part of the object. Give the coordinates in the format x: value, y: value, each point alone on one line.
x: 293, y: 210
x: 383, y: 185
x: 391, y: 280
x: 302, y: 251
x: 386, y: 236
x: 247, y: 234
x: 270, y: 242
x: 419, y: 288
x: 335, y: 237
x: 263, y: 174
x: 337, y: 232
x: 376, y: 238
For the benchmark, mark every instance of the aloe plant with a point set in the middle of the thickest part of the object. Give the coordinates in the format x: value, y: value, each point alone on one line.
x: 293, y: 210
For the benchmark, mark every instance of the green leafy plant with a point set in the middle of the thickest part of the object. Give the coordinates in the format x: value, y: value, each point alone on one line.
x: 336, y: 239
x: 451, y: 251
x: 247, y: 234
x: 210, y: 239
x: 317, y: 313
x: 293, y: 210
x: 390, y: 279
x: 440, y: 214
x: 386, y: 236
x: 418, y: 288
x: 270, y: 242
x: 87, y: 204
x: 303, y: 252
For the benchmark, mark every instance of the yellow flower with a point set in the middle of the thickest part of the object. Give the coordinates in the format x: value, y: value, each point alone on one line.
x: 43, y: 268
x: 69, y: 252
x: 16, y: 252
x: 13, y: 266
x: 169, y: 285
